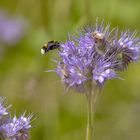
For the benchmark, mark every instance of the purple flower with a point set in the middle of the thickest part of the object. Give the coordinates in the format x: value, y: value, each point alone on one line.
x: 103, y: 70
x: 16, y: 128
x: 95, y: 55
x: 11, y: 28
x: 13, y: 128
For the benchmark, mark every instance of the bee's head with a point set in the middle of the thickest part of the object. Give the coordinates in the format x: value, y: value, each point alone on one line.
x: 98, y: 37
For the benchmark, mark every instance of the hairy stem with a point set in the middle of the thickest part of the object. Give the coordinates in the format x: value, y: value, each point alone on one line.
x: 90, y: 115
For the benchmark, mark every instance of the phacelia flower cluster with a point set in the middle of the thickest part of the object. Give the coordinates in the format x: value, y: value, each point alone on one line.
x: 13, y: 128
x: 95, y: 55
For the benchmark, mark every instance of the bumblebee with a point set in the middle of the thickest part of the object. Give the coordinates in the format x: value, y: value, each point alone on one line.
x: 98, y: 37
x: 99, y: 41
x: 51, y: 45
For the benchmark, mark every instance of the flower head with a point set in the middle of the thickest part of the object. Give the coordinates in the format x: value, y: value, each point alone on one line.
x: 13, y: 128
x: 16, y: 128
x: 95, y: 55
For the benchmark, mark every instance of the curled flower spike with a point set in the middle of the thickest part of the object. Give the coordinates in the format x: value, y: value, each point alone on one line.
x: 127, y: 48
x: 95, y: 55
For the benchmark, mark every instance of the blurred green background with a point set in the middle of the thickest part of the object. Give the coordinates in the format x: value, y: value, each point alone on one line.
x: 26, y: 85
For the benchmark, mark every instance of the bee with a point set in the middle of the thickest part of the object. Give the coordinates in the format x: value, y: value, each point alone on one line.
x: 99, y: 41
x: 98, y: 37
x: 51, y: 45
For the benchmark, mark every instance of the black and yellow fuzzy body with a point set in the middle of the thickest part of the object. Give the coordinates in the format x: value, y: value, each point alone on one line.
x: 51, y: 45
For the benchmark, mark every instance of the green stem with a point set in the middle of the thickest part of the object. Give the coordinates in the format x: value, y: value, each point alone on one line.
x: 90, y: 115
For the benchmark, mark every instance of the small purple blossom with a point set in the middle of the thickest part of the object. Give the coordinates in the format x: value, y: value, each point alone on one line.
x: 103, y: 71
x: 11, y: 28
x: 95, y: 55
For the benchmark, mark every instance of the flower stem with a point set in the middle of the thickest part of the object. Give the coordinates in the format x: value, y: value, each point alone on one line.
x: 90, y: 115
